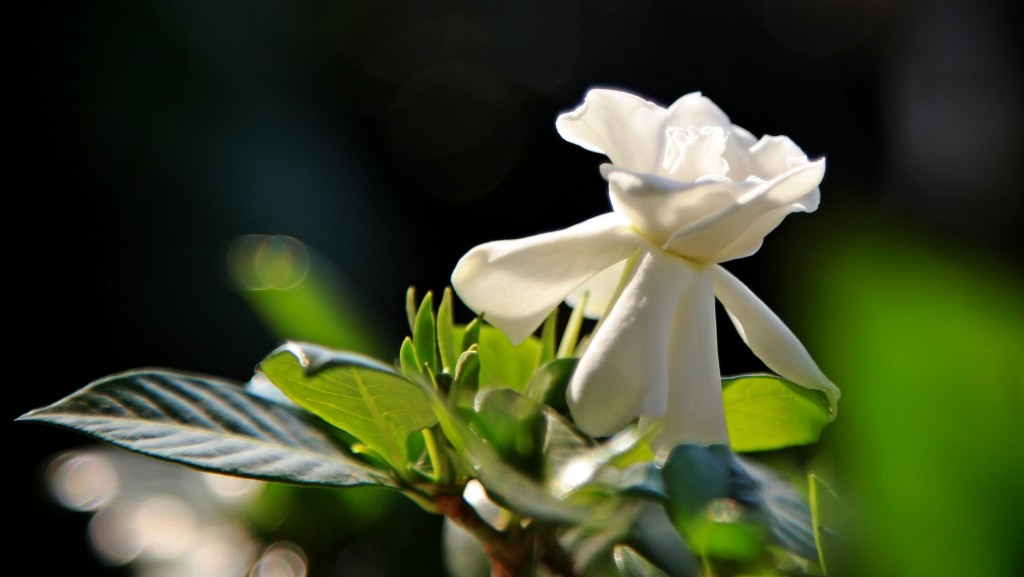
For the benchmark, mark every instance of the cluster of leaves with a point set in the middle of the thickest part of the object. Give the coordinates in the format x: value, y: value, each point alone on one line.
x: 465, y: 405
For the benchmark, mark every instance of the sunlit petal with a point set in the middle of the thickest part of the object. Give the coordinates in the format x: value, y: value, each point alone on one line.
x: 768, y: 337
x: 516, y: 283
x: 624, y: 370
x: 733, y: 226
x: 658, y: 206
x: 695, y: 410
x: 697, y: 110
x: 625, y: 127
x: 773, y: 155
x: 600, y: 290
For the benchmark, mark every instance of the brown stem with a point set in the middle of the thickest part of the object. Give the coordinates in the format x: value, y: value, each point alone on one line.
x: 509, y: 551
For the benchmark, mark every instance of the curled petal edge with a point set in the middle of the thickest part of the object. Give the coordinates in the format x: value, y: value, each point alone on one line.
x: 517, y: 283
x: 769, y: 338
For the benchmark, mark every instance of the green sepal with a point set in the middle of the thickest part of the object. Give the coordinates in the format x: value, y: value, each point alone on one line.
x: 446, y: 333
x: 424, y: 338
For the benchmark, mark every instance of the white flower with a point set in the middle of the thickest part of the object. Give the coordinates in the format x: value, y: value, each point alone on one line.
x: 688, y: 190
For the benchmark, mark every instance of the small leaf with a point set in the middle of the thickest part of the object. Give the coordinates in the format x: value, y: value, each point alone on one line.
x: 410, y: 308
x: 407, y: 360
x: 471, y: 335
x: 547, y: 337
x: 825, y: 504
x: 423, y: 336
x: 549, y: 383
x: 467, y: 379
x: 359, y: 395
x: 765, y: 412
x: 445, y: 333
x: 208, y: 423
x: 629, y: 563
x: 567, y: 347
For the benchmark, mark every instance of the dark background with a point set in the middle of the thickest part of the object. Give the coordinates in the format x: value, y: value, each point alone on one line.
x: 394, y: 135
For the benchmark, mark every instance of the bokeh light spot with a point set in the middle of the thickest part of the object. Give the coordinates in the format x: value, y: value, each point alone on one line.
x: 282, y: 559
x: 83, y: 481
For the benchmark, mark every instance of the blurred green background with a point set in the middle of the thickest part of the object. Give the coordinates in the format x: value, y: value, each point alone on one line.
x: 391, y: 136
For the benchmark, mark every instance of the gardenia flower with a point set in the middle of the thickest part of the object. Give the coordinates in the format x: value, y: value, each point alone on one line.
x: 688, y: 190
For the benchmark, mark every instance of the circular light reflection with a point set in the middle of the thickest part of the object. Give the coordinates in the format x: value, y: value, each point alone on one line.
x: 165, y: 525
x: 282, y: 559
x: 269, y: 262
x: 83, y: 481
x: 225, y: 551
x: 112, y: 535
x: 232, y: 489
x: 723, y: 511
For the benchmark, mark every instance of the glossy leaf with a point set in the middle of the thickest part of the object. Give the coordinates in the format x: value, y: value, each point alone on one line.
x: 208, y: 423
x: 629, y: 563
x: 765, y: 412
x: 788, y: 516
x: 581, y: 467
x: 511, y: 423
x: 549, y: 383
x: 369, y: 400
x: 713, y: 503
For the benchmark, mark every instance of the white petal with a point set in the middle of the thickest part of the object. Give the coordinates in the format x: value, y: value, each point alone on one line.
x: 737, y: 153
x: 516, y: 283
x: 741, y: 226
x: 697, y: 111
x: 600, y: 290
x: 774, y: 155
x: 625, y: 127
x: 658, y: 207
x: 624, y: 370
x: 695, y: 410
x: 768, y: 337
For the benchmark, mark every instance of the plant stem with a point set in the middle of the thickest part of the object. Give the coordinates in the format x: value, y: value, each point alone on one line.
x: 511, y: 552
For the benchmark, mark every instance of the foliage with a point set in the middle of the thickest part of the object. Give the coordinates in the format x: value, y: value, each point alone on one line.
x: 465, y: 405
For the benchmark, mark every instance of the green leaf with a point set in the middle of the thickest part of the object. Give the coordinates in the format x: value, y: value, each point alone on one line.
x: 423, y: 336
x: 503, y: 364
x: 365, y: 398
x: 410, y: 308
x: 549, y: 383
x: 629, y: 563
x: 506, y: 484
x: 547, y: 337
x: 571, y: 335
x: 208, y: 423
x: 445, y: 333
x: 581, y: 467
x: 765, y: 412
x: 710, y: 502
x: 467, y: 379
x: 471, y: 333
x: 825, y: 506
x: 513, y: 425
x: 407, y: 360
x: 787, y: 515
